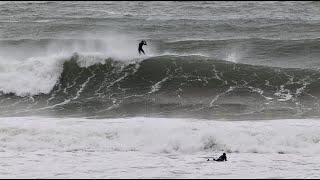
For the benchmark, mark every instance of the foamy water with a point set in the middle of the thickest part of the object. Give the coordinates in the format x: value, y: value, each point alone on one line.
x: 242, y: 77
x: 34, y: 147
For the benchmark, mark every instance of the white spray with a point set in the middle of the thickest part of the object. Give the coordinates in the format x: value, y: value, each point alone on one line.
x: 26, y: 70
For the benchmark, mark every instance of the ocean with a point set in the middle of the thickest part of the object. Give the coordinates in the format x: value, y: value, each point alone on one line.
x: 78, y: 101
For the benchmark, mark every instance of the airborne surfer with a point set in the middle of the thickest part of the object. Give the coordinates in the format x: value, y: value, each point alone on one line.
x: 143, y: 42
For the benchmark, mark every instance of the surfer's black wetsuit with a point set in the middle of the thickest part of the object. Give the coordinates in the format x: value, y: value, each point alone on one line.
x: 140, y: 46
x: 221, y: 158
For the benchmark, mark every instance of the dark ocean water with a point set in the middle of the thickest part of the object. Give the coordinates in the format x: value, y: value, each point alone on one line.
x: 251, y: 60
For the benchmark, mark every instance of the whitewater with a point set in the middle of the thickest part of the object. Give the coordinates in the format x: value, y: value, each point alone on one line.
x: 140, y: 147
x: 78, y: 101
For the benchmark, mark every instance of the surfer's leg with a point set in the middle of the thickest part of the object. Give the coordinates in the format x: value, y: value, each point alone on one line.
x: 141, y: 50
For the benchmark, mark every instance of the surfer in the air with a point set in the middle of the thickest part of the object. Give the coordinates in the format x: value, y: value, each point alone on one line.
x: 223, y: 157
x: 143, y: 42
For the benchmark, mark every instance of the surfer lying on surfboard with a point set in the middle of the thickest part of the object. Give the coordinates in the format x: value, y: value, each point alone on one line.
x: 223, y: 157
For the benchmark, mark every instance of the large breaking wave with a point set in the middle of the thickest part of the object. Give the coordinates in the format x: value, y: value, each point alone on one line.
x: 167, y: 86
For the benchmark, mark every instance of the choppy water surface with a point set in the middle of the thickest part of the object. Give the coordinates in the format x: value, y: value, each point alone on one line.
x: 209, y: 64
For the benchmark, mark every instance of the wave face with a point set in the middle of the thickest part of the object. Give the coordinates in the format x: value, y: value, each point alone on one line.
x: 204, y: 60
x: 172, y: 86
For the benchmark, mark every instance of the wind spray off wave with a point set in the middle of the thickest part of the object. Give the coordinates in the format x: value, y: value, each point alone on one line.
x: 32, y: 67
